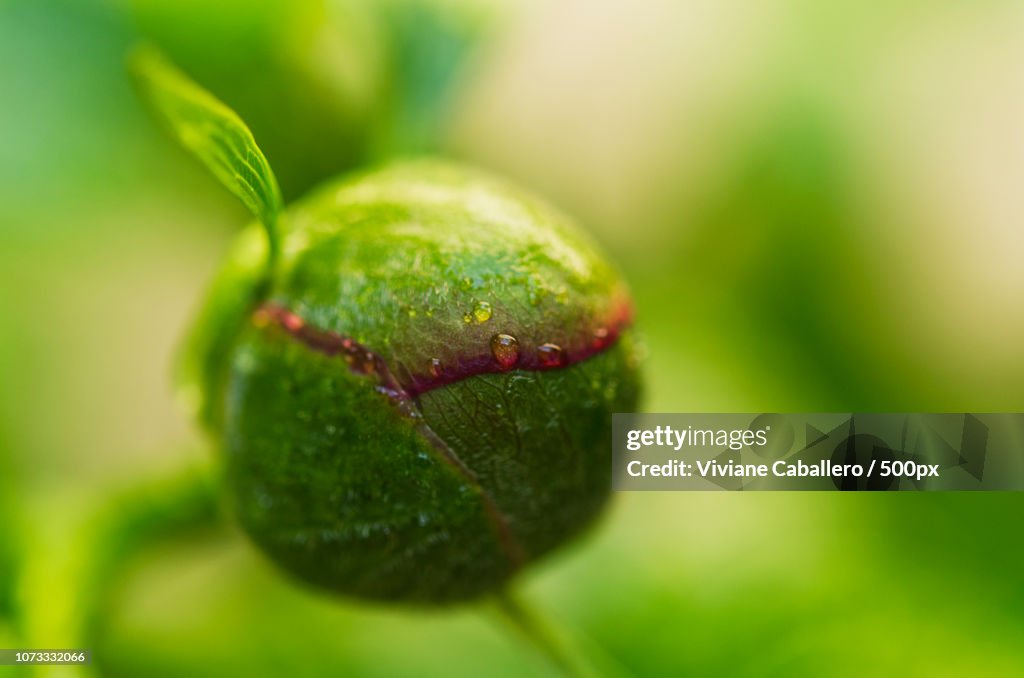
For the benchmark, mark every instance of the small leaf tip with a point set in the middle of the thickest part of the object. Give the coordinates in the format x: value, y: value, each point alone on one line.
x: 211, y: 132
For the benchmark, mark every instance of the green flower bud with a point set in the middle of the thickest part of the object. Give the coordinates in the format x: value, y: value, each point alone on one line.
x: 413, y: 385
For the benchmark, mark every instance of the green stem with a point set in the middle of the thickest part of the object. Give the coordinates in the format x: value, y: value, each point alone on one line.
x: 71, y: 574
x: 571, y: 656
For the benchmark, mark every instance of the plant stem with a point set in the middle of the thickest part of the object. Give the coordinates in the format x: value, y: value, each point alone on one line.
x: 554, y: 644
x: 72, y: 571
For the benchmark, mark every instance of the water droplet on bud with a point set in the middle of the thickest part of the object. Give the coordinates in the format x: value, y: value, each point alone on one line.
x: 435, y: 367
x: 482, y: 312
x: 505, y: 349
x: 550, y: 355
x: 600, y: 337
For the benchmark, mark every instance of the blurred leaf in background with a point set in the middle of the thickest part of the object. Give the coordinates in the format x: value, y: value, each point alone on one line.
x: 791, y: 293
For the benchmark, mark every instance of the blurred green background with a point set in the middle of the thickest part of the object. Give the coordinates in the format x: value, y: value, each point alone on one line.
x: 820, y: 207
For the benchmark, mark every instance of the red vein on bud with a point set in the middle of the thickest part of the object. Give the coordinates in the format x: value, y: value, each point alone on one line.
x: 362, y: 360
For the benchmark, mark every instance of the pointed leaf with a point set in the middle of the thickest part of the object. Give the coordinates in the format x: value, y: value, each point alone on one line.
x: 213, y: 133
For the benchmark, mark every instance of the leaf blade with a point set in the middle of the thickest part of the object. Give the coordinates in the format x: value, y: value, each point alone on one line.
x: 213, y: 133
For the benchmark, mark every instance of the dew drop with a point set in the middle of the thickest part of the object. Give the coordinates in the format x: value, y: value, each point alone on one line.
x: 550, y: 355
x: 482, y: 312
x: 505, y: 349
x: 436, y: 368
x: 600, y: 337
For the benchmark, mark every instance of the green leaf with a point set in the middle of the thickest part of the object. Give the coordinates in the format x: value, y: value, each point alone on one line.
x: 213, y: 133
